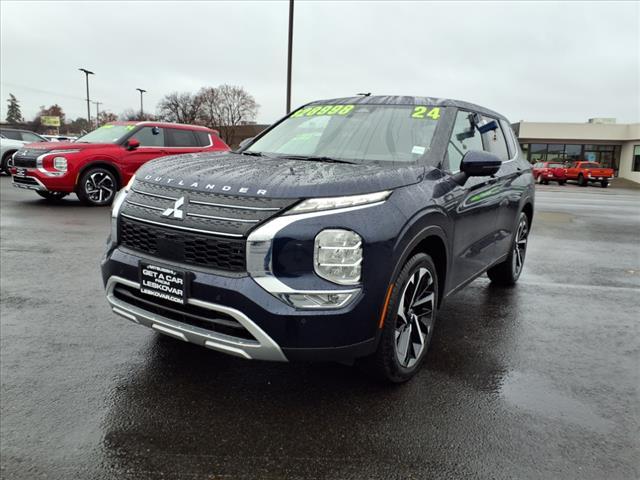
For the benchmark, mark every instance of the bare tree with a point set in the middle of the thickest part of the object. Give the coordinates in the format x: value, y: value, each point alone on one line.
x: 180, y: 108
x: 130, y: 115
x: 226, y: 107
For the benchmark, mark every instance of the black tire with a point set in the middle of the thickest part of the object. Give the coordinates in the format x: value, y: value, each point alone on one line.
x: 97, y: 187
x: 506, y: 273
x: 4, y: 163
x: 604, y: 183
x: 392, y: 361
x: 582, y: 181
x: 52, y: 196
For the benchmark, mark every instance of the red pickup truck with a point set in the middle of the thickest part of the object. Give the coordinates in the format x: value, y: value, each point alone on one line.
x: 586, y: 172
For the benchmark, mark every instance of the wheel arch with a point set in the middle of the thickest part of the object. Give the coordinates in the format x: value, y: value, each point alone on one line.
x: 101, y: 164
x: 431, y: 240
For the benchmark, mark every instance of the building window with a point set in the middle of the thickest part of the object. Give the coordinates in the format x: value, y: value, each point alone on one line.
x: 636, y: 158
x: 538, y: 152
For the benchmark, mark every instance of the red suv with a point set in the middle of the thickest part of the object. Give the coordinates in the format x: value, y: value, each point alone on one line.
x: 544, y: 172
x: 98, y: 164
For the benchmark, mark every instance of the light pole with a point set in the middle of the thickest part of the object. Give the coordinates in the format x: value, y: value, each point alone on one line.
x: 289, y: 56
x: 87, y: 73
x: 141, y: 109
x: 97, y: 104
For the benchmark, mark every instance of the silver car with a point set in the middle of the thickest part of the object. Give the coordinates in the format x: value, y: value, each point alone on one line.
x: 11, y: 140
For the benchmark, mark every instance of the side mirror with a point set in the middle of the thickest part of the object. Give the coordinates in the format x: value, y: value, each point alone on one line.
x: 245, y: 142
x: 132, y: 144
x: 477, y: 164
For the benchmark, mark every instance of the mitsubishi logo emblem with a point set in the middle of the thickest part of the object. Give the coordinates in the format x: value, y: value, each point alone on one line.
x: 176, y: 210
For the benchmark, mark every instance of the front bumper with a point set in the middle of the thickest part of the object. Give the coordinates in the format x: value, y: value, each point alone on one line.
x: 35, y: 180
x: 277, y: 331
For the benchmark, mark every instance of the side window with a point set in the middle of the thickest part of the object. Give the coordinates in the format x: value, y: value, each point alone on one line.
x: 493, y: 138
x: 202, y: 138
x: 31, y: 137
x: 512, y: 142
x: 150, y: 137
x: 182, y: 138
x: 464, y: 137
x: 12, y: 134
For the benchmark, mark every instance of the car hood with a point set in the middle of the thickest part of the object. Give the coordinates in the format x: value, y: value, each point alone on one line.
x: 46, y: 146
x: 236, y: 174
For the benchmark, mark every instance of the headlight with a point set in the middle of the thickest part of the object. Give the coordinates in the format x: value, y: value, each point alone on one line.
x: 60, y: 163
x: 338, y: 256
x: 330, y: 203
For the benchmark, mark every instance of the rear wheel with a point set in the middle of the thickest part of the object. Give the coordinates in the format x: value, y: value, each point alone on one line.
x: 408, y: 324
x: 97, y: 187
x: 582, y: 181
x: 507, y: 273
x: 52, y: 196
x: 604, y: 183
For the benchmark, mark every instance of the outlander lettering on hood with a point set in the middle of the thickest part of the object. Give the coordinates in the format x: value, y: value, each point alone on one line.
x: 204, y: 186
x: 335, y: 234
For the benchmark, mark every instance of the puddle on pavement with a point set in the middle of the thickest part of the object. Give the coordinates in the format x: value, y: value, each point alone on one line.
x: 534, y: 393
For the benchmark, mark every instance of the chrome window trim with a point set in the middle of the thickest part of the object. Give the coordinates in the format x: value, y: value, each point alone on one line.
x: 263, y: 348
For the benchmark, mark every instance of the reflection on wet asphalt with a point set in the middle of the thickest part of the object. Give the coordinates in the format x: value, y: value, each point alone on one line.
x: 538, y: 381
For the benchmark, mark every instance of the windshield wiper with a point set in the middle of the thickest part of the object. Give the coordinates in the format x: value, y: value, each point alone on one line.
x: 311, y: 158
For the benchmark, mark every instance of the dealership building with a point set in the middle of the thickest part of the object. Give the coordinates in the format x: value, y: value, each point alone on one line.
x: 601, y: 140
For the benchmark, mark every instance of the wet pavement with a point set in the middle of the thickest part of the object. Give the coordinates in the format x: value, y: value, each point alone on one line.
x: 538, y: 381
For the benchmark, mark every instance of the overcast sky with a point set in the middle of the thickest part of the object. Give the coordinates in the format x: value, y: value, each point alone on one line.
x: 538, y: 61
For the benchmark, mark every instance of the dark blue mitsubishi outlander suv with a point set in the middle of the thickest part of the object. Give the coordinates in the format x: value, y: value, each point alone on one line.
x: 335, y: 234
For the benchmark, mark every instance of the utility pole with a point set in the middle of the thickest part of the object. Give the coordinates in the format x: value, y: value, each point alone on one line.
x: 289, y: 56
x: 141, y: 109
x: 87, y: 73
x: 97, y: 104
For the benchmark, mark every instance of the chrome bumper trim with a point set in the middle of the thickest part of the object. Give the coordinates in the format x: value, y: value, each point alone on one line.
x: 40, y: 185
x: 264, y: 348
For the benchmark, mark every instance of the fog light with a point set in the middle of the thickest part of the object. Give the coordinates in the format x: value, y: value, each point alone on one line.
x: 317, y: 300
x: 338, y: 256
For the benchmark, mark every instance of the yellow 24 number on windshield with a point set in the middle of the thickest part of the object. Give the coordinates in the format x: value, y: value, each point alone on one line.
x: 426, y: 112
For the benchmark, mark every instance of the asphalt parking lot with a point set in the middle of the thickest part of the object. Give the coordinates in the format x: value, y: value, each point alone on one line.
x: 538, y: 381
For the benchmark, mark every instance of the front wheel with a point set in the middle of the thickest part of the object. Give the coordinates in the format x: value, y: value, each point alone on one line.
x: 52, y: 196
x: 97, y: 187
x: 4, y: 163
x: 409, y: 321
x: 507, y: 273
x: 582, y: 181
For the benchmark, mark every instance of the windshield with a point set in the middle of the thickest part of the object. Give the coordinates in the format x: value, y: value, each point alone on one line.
x: 354, y: 133
x: 106, y: 134
x: 555, y: 165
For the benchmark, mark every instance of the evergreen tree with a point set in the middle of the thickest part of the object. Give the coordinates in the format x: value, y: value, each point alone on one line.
x: 14, y: 115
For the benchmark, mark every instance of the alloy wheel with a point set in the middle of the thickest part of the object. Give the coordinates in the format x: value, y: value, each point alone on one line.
x: 520, y: 247
x: 99, y: 187
x: 415, y: 318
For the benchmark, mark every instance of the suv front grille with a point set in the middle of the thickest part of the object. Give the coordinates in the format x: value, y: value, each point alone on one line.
x: 186, y: 247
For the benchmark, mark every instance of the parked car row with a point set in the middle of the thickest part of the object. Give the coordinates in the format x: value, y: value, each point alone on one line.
x: 581, y: 172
